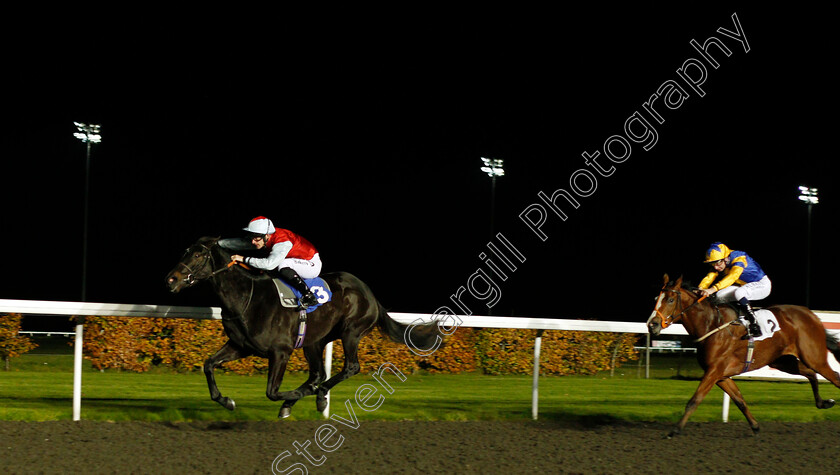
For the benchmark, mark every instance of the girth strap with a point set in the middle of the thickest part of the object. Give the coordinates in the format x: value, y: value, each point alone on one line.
x: 301, y: 329
x: 749, y: 360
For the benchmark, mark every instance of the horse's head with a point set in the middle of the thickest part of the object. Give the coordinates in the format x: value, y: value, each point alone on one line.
x: 668, y: 307
x: 195, y: 265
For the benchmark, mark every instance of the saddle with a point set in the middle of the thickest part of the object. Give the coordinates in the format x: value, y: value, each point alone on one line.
x: 766, y: 320
x: 289, y: 296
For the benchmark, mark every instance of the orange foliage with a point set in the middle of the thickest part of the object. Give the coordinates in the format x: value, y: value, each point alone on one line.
x: 12, y: 344
x: 135, y: 344
x: 508, y: 351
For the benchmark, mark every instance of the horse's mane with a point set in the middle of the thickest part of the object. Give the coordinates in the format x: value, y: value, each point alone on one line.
x: 690, y: 286
x: 713, y: 300
x: 686, y: 285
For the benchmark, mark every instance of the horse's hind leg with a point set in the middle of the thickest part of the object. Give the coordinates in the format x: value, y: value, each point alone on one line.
x: 731, y: 388
x: 317, y: 361
x: 228, y: 352
x: 317, y: 374
x: 789, y: 364
x: 351, y: 367
x: 825, y: 370
x: 813, y: 353
x: 815, y: 357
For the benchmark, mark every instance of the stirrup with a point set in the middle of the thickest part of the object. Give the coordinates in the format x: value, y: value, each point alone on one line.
x: 307, y: 300
x: 753, y: 331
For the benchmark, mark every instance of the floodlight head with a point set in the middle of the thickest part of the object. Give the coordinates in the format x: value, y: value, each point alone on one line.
x: 493, y: 167
x: 88, y: 133
x: 809, y: 195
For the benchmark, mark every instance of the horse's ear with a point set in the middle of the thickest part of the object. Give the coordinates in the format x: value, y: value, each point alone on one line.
x: 665, y: 280
x: 678, y: 283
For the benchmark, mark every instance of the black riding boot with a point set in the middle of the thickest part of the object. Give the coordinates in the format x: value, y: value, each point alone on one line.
x: 753, y: 329
x: 307, y: 298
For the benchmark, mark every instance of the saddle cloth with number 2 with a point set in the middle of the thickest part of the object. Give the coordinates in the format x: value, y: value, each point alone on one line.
x: 766, y: 321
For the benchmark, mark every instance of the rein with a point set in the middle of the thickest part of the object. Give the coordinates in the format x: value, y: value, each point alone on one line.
x: 707, y: 335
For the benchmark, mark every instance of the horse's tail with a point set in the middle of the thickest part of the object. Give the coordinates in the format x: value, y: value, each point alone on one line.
x: 422, y: 338
x: 833, y: 344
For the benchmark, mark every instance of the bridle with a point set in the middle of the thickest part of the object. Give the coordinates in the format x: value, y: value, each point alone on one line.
x: 668, y: 320
x: 192, y: 278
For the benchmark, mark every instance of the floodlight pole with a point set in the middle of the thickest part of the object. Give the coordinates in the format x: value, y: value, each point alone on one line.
x: 87, y: 213
x: 808, y: 262
x: 87, y: 134
x: 492, y: 205
x: 494, y: 168
x: 810, y: 197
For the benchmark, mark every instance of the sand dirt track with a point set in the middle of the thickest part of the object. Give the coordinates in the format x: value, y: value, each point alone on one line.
x: 417, y: 447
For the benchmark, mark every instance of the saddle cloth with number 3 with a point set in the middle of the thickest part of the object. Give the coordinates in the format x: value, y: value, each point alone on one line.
x: 289, y: 296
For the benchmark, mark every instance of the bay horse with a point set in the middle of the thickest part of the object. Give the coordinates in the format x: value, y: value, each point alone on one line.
x: 799, y: 347
x: 256, y: 323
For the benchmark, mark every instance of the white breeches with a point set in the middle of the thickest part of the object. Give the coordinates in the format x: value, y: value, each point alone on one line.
x: 752, y: 291
x: 305, y: 269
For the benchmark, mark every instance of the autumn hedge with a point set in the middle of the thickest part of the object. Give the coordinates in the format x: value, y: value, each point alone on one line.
x: 137, y: 344
x: 12, y: 344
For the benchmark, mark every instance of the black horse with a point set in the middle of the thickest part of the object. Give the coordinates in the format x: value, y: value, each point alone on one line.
x: 256, y: 323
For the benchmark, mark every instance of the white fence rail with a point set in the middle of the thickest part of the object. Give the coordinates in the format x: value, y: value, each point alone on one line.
x: 44, y: 307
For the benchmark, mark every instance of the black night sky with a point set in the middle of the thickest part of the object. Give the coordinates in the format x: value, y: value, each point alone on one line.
x: 366, y: 139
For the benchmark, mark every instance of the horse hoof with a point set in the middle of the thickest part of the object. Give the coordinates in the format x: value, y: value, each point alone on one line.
x: 320, y: 404
x: 227, y: 403
x: 754, y: 430
x: 827, y: 404
x: 285, y: 412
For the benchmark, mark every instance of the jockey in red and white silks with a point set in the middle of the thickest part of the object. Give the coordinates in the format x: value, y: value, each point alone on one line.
x: 286, y: 249
x: 294, y: 257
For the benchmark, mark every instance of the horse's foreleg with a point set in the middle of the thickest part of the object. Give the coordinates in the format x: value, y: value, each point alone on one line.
x: 706, y: 384
x: 228, y: 352
x: 731, y: 388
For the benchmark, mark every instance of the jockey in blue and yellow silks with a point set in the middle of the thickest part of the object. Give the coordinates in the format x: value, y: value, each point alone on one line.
x: 741, y: 269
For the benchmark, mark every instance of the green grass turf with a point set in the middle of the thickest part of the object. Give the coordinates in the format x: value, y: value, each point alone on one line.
x: 39, y: 387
